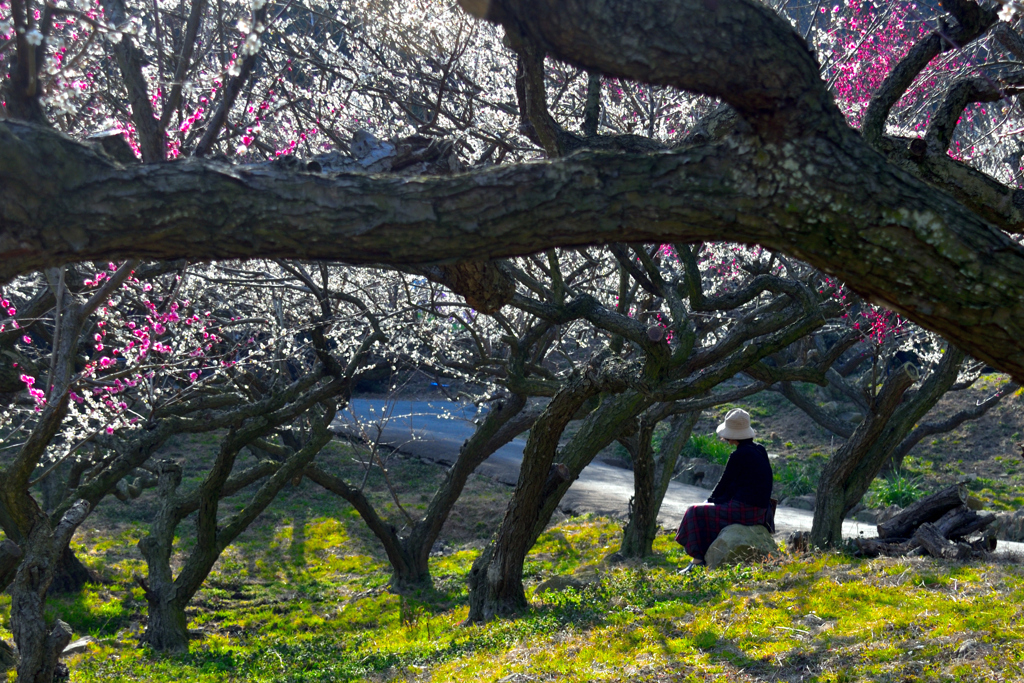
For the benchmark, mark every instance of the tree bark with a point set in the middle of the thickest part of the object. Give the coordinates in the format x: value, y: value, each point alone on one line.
x: 167, y: 625
x: 937, y: 545
x: 496, y: 579
x: 167, y: 628
x: 40, y: 644
x: 636, y: 539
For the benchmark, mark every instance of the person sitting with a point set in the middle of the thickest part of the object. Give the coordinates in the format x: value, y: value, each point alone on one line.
x: 743, y: 495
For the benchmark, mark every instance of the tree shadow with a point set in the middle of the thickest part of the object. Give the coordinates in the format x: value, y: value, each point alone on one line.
x: 806, y: 659
x: 297, y: 547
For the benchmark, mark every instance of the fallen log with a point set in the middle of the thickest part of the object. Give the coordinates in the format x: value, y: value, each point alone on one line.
x: 928, y: 509
x: 962, y: 521
x: 873, y: 547
x: 937, y: 545
x: 984, y: 545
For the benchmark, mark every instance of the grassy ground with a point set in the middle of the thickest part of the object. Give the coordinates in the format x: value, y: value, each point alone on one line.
x: 302, y: 597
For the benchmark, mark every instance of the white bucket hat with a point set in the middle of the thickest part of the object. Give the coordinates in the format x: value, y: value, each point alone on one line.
x: 736, y: 425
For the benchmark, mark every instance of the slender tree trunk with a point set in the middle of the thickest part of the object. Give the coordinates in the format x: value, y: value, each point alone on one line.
x: 637, y: 541
x: 833, y: 498
x: 651, y: 483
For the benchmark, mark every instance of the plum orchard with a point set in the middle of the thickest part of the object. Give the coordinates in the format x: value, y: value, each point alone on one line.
x: 410, y: 134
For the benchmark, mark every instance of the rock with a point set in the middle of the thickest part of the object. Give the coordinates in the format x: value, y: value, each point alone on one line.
x: 966, y: 647
x: 614, y: 557
x: 813, y: 620
x: 78, y: 647
x: 558, y: 584
x: 700, y: 472
x: 740, y: 543
x: 866, y: 516
x: 516, y: 678
x: 441, y: 549
x: 1008, y: 526
x: 877, y: 515
x: 799, y: 502
x: 853, y: 417
x: 975, y: 503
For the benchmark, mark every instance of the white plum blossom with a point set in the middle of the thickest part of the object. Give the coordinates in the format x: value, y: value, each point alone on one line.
x: 252, y: 45
x: 1010, y: 10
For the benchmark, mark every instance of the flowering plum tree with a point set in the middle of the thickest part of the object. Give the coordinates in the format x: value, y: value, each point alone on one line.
x: 131, y: 365
x: 219, y: 103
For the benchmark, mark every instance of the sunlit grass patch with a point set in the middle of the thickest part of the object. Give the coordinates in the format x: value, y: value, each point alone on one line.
x: 302, y: 598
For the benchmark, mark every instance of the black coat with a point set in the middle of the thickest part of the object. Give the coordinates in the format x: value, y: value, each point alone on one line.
x: 747, y: 477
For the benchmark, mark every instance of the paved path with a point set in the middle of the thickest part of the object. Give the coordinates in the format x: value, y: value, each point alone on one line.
x: 434, y: 430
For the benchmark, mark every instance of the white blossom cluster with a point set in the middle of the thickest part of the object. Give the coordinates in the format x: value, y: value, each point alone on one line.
x: 1011, y: 10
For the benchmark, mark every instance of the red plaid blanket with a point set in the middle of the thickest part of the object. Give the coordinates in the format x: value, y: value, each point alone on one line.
x: 702, y: 523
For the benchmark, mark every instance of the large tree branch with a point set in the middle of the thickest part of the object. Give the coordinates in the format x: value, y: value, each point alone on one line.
x: 738, y: 50
x: 129, y: 61
x: 927, y: 429
x: 892, y: 238
x: 824, y: 418
x: 188, y: 43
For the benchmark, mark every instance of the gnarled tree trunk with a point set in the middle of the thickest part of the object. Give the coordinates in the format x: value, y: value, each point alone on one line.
x: 496, y: 579
x: 838, y: 485
x: 167, y: 595
x: 850, y: 471
x: 40, y: 644
x: 652, y: 473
